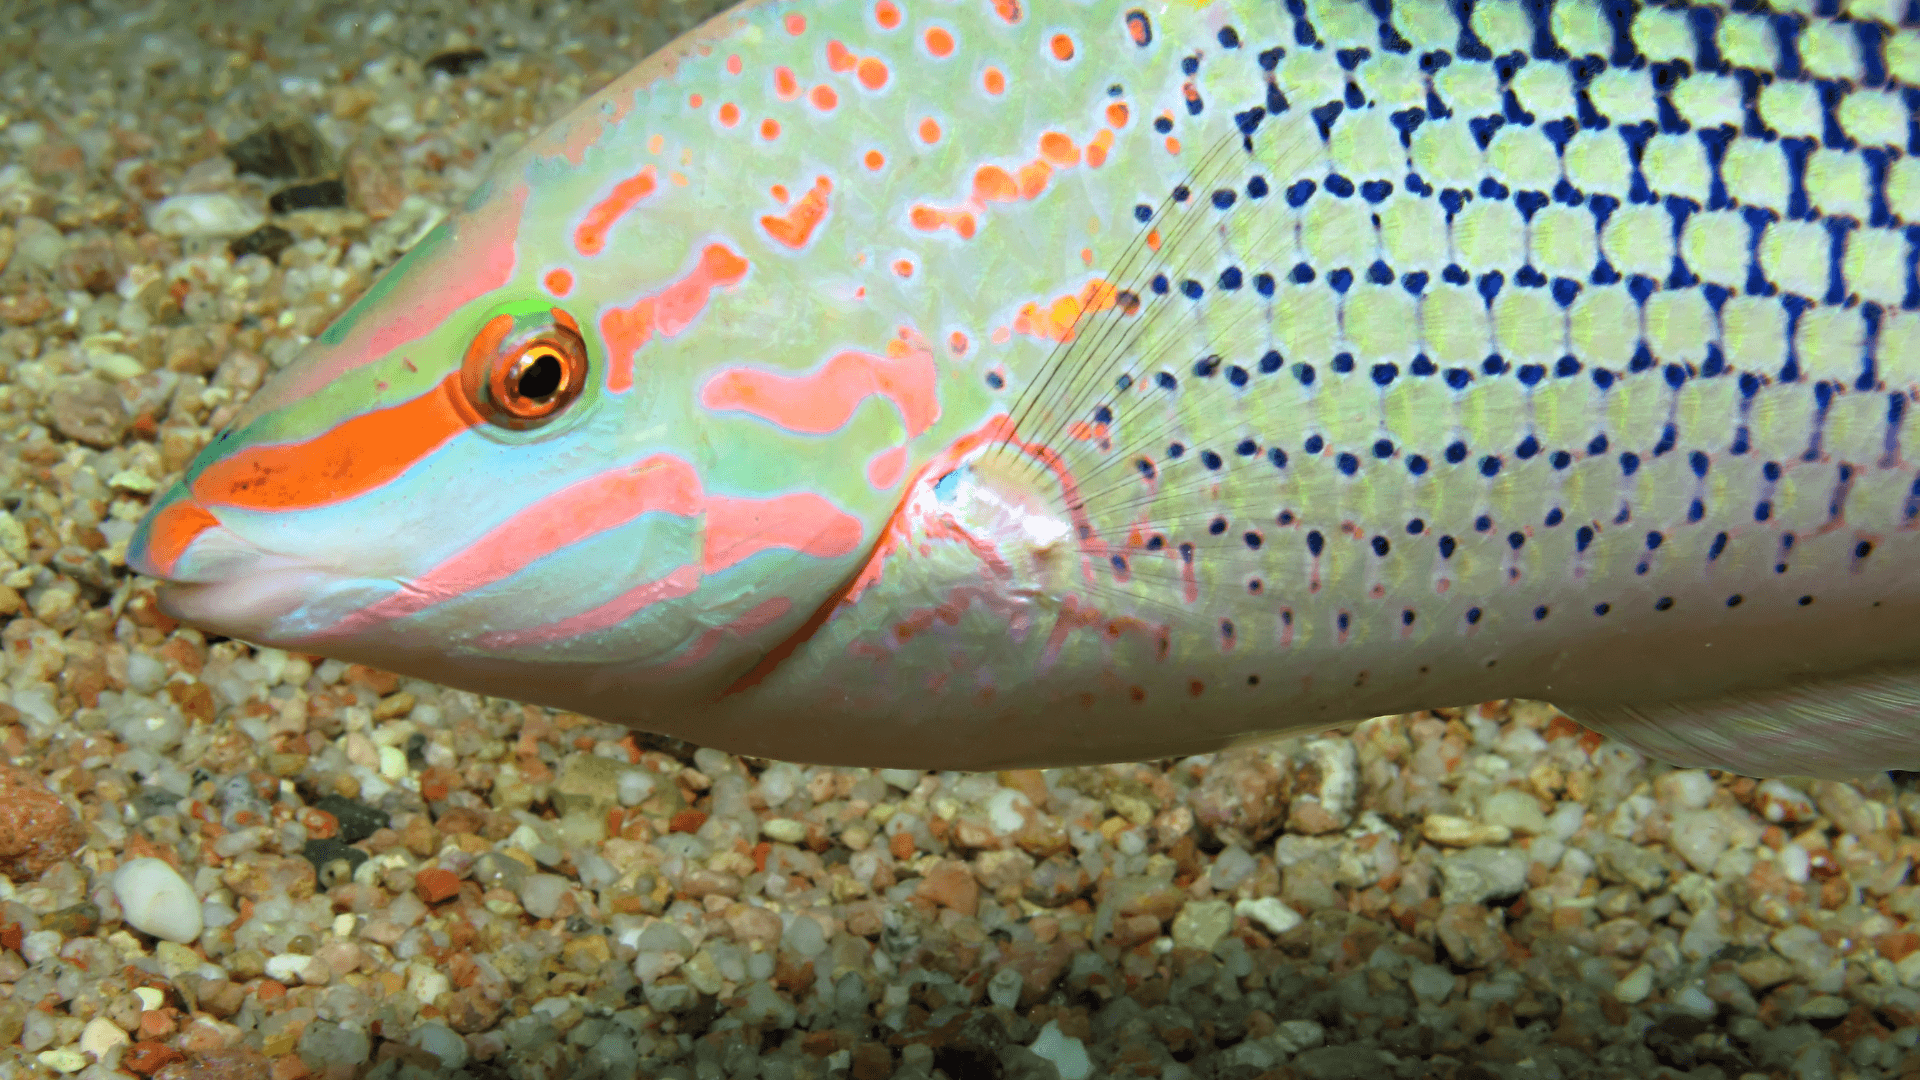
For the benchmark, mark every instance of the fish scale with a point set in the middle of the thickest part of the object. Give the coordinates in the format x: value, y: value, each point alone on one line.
x: 972, y: 384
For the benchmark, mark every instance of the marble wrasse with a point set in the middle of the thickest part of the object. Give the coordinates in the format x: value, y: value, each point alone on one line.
x: 978, y: 383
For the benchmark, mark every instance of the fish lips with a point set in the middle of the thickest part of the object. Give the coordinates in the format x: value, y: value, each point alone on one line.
x: 217, y: 580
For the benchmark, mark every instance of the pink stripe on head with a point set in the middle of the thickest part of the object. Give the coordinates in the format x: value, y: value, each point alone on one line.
x: 825, y: 400
x: 586, y: 508
x: 669, y: 311
x: 738, y: 529
x: 680, y: 582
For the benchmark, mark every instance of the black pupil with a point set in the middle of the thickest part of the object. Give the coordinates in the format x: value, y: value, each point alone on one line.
x: 540, y: 378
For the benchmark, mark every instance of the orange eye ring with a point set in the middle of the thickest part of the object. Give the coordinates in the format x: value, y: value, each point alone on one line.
x: 522, y: 384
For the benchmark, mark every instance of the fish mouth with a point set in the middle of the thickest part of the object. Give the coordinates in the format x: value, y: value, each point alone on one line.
x: 216, y: 579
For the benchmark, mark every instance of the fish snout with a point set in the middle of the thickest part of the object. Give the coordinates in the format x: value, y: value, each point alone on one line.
x: 213, y: 577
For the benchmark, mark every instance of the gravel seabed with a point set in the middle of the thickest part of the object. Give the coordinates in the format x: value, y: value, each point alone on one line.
x: 287, y: 867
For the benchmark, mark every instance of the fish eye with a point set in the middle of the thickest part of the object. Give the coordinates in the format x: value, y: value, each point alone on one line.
x: 520, y: 377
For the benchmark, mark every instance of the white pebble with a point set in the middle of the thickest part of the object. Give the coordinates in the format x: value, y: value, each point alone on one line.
x: 1461, y: 832
x: 1635, y: 987
x: 783, y: 830
x: 150, y: 997
x: 213, y: 215
x: 1685, y: 789
x: 904, y: 779
x: 100, y: 1036
x: 1004, y: 988
x: 1269, y: 912
x: 40, y: 945
x: 1795, y: 863
x: 1514, y: 809
x: 1066, y: 1053
x: 1003, y: 810
x: 636, y: 786
x: 1431, y: 982
x: 440, y: 1041
x: 65, y: 1060
x: 542, y: 893
x: 287, y: 967
x: 157, y: 900
x: 426, y: 984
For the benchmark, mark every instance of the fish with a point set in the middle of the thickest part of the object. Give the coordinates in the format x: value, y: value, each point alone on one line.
x: 976, y: 384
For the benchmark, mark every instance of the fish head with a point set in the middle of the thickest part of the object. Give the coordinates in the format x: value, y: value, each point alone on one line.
x: 464, y: 479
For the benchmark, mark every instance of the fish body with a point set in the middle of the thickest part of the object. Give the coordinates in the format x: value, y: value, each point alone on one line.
x: 999, y: 382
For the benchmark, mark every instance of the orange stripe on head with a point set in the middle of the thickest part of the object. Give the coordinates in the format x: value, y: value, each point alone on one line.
x: 349, y: 460
x: 172, y: 531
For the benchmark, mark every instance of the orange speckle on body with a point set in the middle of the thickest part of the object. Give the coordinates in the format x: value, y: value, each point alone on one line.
x: 991, y: 183
x: 1153, y: 240
x: 887, y: 14
x: 591, y: 234
x: 1086, y: 256
x: 1117, y: 114
x: 933, y: 219
x: 1057, y: 149
x: 655, y: 144
x: 729, y: 114
x: 769, y: 129
x: 1173, y: 146
x: 1001, y: 335
x: 677, y: 179
x: 1033, y: 179
x: 733, y: 64
x: 824, y: 98
x: 1098, y: 149
x: 939, y: 41
x: 796, y: 24
x: 1008, y: 10
x: 838, y: 58
x: 903, y: 267
x: 929, y: 131
x: 872, y: 72
x: 779, y: 193
x: 785, y: 86
x: 695, y: 101
x: 559, y: 281
x: 1061, y: 46
x: 1057, y: 321
x: 875, y: 160
x: 797, y: 226
x: 995, y: 81
x: 957, y: 343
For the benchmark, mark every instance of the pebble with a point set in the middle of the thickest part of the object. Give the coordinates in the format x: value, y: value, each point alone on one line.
x: 100, y: 1036
x: 542, y: 893
x: 1515, y: 810
x: 1462, y: 832
x: 1065, y: 1053
x: 88, y: 410
x: 157, y: 900
x: 1634, y: 987
x: 63, y: 1060
x: 211, y: 215
x: 783, y: 830
x: 1202, y: 924
x: 1430, y: 982
x: 1479, y: 874
x: 288, y: 967
x: 1271, y: 913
